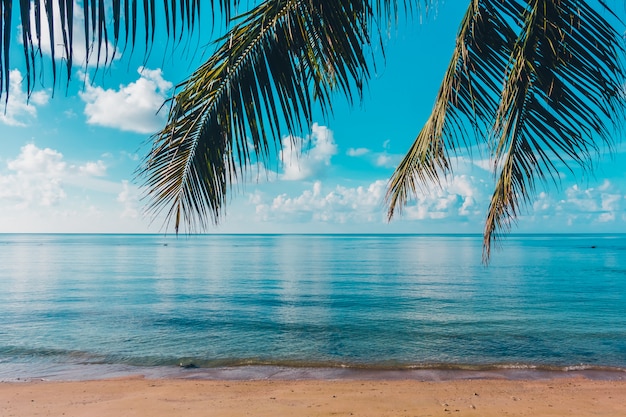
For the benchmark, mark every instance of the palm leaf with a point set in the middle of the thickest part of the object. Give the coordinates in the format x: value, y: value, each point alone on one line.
x: 102, y: 25
x: 559, y: 64
x: 267, y: 72
x: 466, y: 101
x: 563, y: 93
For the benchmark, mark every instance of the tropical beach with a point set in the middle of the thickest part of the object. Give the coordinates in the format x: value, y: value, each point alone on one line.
x: 413, y: 208
x: 334, y: 326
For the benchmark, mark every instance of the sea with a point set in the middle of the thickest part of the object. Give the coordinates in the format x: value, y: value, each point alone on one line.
x: 77, y: 307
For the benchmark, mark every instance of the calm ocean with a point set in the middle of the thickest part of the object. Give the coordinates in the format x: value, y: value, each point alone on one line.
x: 299, y: 306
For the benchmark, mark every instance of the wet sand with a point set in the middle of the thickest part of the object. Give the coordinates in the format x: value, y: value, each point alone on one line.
x: 136, y: 396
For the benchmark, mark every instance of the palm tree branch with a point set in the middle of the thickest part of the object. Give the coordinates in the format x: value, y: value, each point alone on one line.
x: 98, y: 19
x: 562, y: 93
x: 466, y: 99
x: 266, y: 73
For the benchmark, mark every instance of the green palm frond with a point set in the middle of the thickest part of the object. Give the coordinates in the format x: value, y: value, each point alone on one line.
x: 546, y: 90
x: 271, y: 67
x: 114, y: 22
x: 466, y: 100
x: 563, y: 92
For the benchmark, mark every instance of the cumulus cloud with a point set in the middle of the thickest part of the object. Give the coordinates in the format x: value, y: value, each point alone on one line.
x: 364, y: 204
x: 33, y: 160
x: 601, y: 204
x: 308, y: 158
x: 387, y: 161
x: 95, y: 169
x: 462, y: 196
x: 338, y: 205
x: 582, y: 206
x: 132, y: 107
x: 485, y: 164
x: 35, y: 178
x: 19, y: 108
x: 42, y: 191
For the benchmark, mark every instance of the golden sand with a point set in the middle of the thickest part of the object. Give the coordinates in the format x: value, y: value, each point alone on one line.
x: 136, y: 396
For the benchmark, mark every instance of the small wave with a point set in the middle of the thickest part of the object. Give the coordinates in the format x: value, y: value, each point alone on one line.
x: 203, y: 364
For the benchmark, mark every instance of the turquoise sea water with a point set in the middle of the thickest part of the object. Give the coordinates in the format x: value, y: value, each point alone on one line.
x: 257, y: 306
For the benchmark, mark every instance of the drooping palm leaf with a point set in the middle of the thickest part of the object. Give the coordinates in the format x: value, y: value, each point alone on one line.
x: 465, y: 103
x: 266, y: 73
x: 559, y: 64
x: 563, y: 92
x: 99, y: 17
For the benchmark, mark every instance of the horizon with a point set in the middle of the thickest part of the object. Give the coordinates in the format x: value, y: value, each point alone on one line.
x: 480, y: 235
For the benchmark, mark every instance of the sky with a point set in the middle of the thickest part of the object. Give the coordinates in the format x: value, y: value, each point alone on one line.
x: 69, y: 155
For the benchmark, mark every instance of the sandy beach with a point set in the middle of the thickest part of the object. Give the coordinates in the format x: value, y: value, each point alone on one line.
x: 136, y: 396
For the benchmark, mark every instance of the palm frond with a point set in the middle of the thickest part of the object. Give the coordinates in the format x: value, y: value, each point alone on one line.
x: 540, y: 82
x: 466, y: 101
x: 103, y: 25
x: 562, y: 97
x: 267, y: 72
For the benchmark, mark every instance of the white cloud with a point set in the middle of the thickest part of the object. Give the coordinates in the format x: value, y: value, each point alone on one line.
x: 582, y: 206
x: 94, y: 169
x: 460, y: 197
x: 581, y: 200
x: 364, y: 204
x: 382, y: 159
x: 308, y: 158
x: 339, y: 205
x: 36, y: 178
x: 19, y: 109
x: 41, y: 191
x: 486, y: 164
x: 387, y: 161
x: 129, y: 198
x: 131, y: 108
x: 601, y: 203
x: 33, y: 160
x: 357, y: 151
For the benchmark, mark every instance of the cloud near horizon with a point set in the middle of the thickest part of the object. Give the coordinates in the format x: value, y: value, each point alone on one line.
x: 460, y: 200
x: 42, y: 192
x: 35, y: 178
x: 39, y: 178
x: 338, y: 205
x: 600, y: 205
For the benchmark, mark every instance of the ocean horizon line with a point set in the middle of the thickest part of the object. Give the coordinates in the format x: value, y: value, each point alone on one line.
x: 443, y: 234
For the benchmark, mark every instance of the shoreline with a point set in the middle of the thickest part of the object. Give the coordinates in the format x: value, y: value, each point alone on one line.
x: 137, y: 396
x: 56, y: 372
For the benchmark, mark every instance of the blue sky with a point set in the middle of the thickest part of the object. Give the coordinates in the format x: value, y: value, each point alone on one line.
x: 68, y: 157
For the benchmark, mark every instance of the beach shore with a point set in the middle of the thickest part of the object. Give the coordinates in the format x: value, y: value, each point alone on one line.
x: 137, y: 396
